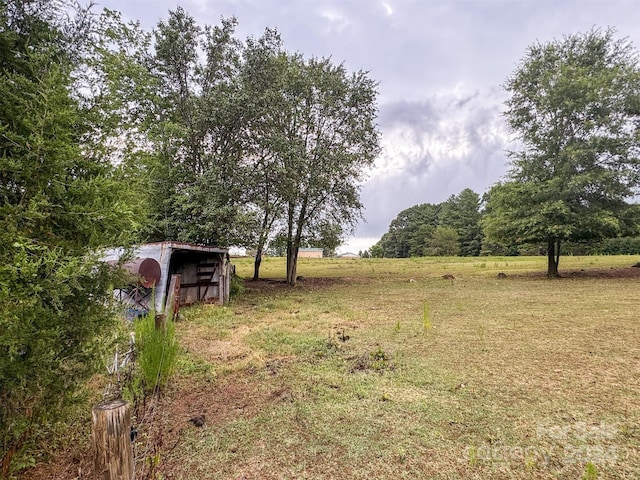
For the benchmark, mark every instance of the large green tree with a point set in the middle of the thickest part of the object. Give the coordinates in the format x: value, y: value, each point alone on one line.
x: 262, y: 75
x: 574, y: 105
x: 243, y: 141
x: 60, y: 200
x: 196, y: 132
x: 444, y: 242
x: 324, y: 136
x: 410, y: 232
x: 117, y: 89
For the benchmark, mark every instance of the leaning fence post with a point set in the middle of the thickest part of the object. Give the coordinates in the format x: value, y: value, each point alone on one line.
x: 111, y: 438
x: 173, y: 299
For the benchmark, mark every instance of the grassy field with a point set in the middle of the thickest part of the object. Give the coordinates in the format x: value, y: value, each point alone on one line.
x: 377, y: 368
x: 385, y: 369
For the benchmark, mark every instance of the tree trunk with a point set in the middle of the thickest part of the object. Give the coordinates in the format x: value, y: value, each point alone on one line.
x: 292, y: 264
x: 289, y: 250
x: 262, y: 240
x: 553, y: 258
x: 289, y: 240
x: 256, y: 264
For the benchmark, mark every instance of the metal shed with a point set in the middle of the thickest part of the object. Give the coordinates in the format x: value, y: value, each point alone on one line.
x: 205, y: 273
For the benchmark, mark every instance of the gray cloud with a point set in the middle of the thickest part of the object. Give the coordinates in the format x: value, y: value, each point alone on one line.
x: 434, y: 148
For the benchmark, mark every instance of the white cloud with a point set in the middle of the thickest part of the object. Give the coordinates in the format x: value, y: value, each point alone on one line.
x: 419, y: 136
x: 336, y: 21
x: 356, y: 245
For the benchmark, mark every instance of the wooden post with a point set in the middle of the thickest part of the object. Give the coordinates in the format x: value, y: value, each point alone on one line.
x: 173, y: 300
x: 111, y: 437
x: 161, y: 322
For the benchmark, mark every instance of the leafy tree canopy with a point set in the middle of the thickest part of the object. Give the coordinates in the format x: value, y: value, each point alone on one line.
x: 247, y: 140
x: 462, y: 213
x: 575, y: 107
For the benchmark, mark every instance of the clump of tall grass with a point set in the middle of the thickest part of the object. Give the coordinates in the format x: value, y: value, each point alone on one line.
x: 236, y: 287
x: 156, y: 352
x: 590, y: 472
x: 426, y: 318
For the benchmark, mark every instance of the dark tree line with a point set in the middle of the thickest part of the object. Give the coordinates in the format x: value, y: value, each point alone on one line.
x: 449, y: 228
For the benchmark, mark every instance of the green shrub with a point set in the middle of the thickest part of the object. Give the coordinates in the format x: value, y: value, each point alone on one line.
x: 379, y: 360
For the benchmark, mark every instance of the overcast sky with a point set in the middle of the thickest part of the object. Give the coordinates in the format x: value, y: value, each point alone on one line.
x: 440, y: 65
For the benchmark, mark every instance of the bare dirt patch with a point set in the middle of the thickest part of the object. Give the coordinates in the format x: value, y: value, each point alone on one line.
x: 238, y: 396
x: 233, y: 397
x: 630, y: 272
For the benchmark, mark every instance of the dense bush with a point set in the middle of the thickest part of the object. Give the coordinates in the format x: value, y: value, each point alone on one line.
x: 59, y: 202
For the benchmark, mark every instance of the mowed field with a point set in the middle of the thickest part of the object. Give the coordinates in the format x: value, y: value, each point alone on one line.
x: 408, y: 368
x: 381, y: 368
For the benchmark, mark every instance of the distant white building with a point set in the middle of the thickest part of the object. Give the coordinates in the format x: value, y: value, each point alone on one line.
x: 237, y: 251
x: 310, y: 253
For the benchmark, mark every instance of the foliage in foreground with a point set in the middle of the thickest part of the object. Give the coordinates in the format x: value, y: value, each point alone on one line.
x: 58, y: 202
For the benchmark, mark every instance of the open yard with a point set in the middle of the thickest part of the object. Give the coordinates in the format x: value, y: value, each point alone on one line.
x: 384, y: 369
